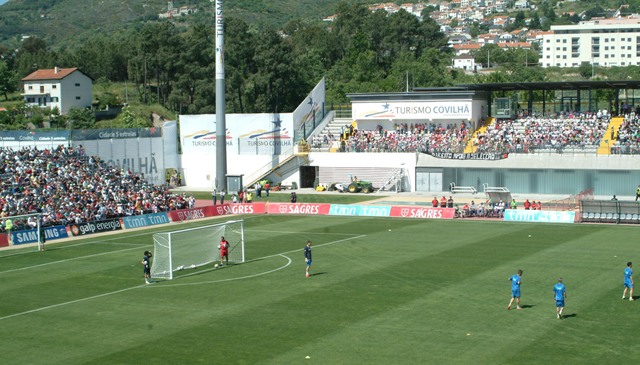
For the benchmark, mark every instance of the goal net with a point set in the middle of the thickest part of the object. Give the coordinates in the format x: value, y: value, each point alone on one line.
x: 190, y: 248
x: 24, y: 230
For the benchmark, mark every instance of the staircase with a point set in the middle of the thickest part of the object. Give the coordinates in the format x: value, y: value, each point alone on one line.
x: 608, y: 139
x: 470, y: 147
x: 279, y: 166
x: 394, y: 182
x: 334, y: 128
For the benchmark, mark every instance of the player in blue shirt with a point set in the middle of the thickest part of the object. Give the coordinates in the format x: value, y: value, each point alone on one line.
x: 515, y: 280
x: 559, y: 295
x: 628, y: 281
x: 307, y: 257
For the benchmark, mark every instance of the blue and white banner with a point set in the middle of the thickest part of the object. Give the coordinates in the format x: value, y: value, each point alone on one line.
x: 31, y: 235
x: 145, y: 220
x: 539, y: 216
x: 360, y: 210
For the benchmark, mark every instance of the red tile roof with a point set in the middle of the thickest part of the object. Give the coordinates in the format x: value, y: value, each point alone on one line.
x: 50, y: 74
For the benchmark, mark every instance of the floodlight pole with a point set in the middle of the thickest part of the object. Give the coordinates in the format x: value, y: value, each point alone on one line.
x: 221, y: 125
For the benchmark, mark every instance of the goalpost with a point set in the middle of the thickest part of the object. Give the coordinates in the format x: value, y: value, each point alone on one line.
x: 193, y: 247
x: 25, y: 228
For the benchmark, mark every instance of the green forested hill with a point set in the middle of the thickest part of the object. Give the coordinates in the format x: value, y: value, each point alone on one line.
x: 58, y: 21
x: 68, y: 21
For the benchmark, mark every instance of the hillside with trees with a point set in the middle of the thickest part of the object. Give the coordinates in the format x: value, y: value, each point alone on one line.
x: 167, y: 66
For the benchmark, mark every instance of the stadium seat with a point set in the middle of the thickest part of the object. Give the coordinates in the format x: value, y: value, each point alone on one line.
x: 623, y: 216
x: 591, y: 215
x: 596, y: 215
x: 610, y: 216
x: 634, y: 217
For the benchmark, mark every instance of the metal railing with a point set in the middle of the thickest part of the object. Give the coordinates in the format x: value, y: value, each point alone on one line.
x: 254, y: 177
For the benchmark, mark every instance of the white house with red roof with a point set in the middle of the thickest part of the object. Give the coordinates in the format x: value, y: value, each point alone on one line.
x: 62, y: 88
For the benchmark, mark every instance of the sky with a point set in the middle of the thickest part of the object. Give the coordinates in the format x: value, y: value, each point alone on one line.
x: 3, y: 1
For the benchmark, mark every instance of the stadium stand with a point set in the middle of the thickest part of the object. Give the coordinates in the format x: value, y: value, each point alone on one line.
x: 628, y: 137
x: 66, y: 186
x: 570, y: 132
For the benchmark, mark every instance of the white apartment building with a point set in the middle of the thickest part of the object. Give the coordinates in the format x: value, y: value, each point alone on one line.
x: 604, y: 42
x: 62, y: 88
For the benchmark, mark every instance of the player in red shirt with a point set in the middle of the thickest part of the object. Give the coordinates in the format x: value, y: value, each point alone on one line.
x: 223, y: 246
x: 434, y: 202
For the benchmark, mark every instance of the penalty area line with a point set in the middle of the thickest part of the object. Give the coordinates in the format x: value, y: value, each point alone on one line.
x: 70, y: 302
x: 228, y: 279
x: 174, y: 285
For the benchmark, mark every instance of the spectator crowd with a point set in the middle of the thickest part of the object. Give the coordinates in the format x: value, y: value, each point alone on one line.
x: 628, y: 137
x: 66, y: 186
x: 530, y: 134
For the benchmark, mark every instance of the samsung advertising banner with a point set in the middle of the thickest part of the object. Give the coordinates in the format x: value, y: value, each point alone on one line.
x: 409, y: 110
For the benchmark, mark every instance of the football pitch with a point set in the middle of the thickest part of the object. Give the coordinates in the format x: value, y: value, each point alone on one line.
x: 383, y: 290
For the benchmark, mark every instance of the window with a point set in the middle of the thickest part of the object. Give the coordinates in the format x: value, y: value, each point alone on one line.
x: 30, y: 87
x: 564, y: 48
x: 606, y: 48
x: 548, y: 49
x: 55, y: 99
x: 77, y: 84
x: 564, y: 41
x: 564, y: 57
x: 549, y: 41
x: 41, y: 89
x: 77, y: 98
x: 548, y: 56
x: 54, y: 86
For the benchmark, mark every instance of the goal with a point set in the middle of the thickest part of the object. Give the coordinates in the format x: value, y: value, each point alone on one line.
x: 190, y: 248
x: 25, y: 229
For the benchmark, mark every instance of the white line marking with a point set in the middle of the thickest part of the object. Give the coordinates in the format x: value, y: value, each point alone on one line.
x: 67, y: 260
x: 223, y: 280
x: 142, y: 286
x: 307, y: 233
x: 70, y: 302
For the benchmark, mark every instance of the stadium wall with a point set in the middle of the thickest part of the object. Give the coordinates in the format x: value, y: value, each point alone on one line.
x: 543, y: 173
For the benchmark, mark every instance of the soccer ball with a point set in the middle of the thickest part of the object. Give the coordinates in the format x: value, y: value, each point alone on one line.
x: 145, y: 262
x: 215, y: 266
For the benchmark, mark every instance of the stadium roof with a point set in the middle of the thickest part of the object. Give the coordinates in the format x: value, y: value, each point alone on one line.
x: 554, y: 85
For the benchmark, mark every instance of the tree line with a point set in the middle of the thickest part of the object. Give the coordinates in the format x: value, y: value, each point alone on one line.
x: 268, y: 70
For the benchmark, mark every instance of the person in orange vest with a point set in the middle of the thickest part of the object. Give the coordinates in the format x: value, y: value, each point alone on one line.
x: 443, y: 202
x: 434, y: 202
x: 527, y: 205
x: 534, y: 205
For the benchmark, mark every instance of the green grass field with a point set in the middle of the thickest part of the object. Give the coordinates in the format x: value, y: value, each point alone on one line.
x: 395, y: 291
